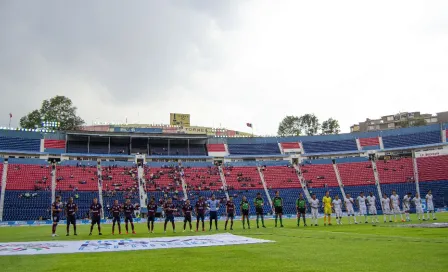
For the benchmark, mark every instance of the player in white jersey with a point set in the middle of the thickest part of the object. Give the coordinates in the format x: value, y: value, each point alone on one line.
x: 395, y: 200
x: 349, y: 202
x: 314, y: 209
x: 371, y: 201
x: 361, y: 200
x: 386, y: 205
x: 407, y: 206
x: 430, y: 206
x: 418, y: 207
x: 337, y: 206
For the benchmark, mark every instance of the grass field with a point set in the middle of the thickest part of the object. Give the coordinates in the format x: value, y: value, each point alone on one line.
x: 385, y: 247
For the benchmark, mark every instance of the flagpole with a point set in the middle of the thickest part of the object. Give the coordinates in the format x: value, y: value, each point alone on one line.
x: 10, y: 117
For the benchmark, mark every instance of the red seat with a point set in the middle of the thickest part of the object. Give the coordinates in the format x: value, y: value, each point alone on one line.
x: 27, y: 177
x: 433, y: 168
x: 281, y: 177
x: 216, y: 148
x: 395, y: 171
x: 242, y: 178
x: 356, y: 173
x: 313, y: 171
x: 203, y: 178
x: 69, y: 177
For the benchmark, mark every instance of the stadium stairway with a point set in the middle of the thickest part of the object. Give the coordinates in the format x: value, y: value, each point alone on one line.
x: 265, y: 187
x: 4, y: 171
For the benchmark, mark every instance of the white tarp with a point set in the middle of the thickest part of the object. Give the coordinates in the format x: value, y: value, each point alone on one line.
x: 53, y: 247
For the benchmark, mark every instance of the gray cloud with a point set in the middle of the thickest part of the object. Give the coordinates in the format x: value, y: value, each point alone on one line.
x: 131, y: 49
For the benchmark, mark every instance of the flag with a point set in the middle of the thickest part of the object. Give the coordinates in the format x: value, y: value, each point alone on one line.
x: 249, y: 124
x: 10, y: 115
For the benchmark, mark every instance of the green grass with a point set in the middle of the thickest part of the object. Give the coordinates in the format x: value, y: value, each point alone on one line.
x: 337, y: 248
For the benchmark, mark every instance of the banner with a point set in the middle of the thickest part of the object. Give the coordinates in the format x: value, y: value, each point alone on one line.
x: 136, y: 130
x: 66, y: 247
x: 431, y: 153
x: 180, y: 119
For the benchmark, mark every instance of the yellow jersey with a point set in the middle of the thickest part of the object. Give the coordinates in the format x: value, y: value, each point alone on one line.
x: 327, y: 202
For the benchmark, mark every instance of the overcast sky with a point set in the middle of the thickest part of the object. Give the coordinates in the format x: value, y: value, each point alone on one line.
x: 224, y: 62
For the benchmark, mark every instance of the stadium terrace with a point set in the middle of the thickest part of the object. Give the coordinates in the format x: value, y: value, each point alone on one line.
x: 140, y: 165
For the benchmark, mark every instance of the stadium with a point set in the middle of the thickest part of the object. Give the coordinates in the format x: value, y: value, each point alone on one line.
x: 225, y: 135
x: 111, y: 162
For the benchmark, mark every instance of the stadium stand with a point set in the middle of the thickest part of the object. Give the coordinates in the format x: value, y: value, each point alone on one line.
x: 395, y: 170
x: 369, y: 143
x: 76, y: 178
x: 433, y: 168
x: 319, y: 173
x: 242, y: 178
x: 26, y: 205
x: 202, y: 178
x: 216, y: 148
x: 280, y: 177
x: 355, y: 171
x: 329, y: 146
x: 254, y: 149
x: 19, y: 144
x: 421, y: 138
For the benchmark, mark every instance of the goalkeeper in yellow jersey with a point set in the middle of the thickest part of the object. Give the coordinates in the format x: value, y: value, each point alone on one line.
x: 326, y: 201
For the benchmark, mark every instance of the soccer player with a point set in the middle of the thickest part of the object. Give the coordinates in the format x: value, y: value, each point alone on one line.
x: 116, y: 211
x: 348, y: 203
x: 213, y: 205
x: 152, y: 209
x: 70, y: 211
x: 407, y: 206
x: 430, y: 206
x: 387, y: 207
x: 418, y: 207
x: 301, y: 210
x: 128, y: 209
x: 187, y: 209
x: 56, y: 209
x: 245, y: 206
x: 258, y: 202
x: 200, y: 208
x: 230, y: 211
x: 314, y: 209
x: 95, y: 215
x: 371, y: 201
x: 337, y: 206
x: 326, y: 202
x: 361, y: 200
x: 278, y: 208
x: 169, y: 214
x: 395, y: 199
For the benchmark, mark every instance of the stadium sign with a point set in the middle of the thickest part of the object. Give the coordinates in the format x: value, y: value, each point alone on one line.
x: 431, y: 153
x: 54, y: 247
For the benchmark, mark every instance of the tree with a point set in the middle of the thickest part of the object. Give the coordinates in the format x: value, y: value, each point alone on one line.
x: 309, y: 124
x: 289, y: 126
x: 57, y: 109
x: 330, y: 126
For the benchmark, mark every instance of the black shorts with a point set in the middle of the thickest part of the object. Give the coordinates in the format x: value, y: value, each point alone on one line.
x: 169, y: 217
x: 246, y: 212
x: 96, y: 220
x: 231, y: 215
x: 259, y: 210
x: 151, y: 218
x: 278, y: 210
x: 187, y: 218
x: 302, y: 210
x: 213, y: 215
x: 128, y: 218
x: 200, y: 216
x: 71, y: 219
x: 56, y: 218
x: 116, y: 219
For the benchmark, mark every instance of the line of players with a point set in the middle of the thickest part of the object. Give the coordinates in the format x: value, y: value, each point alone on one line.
x: 391, y: 206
